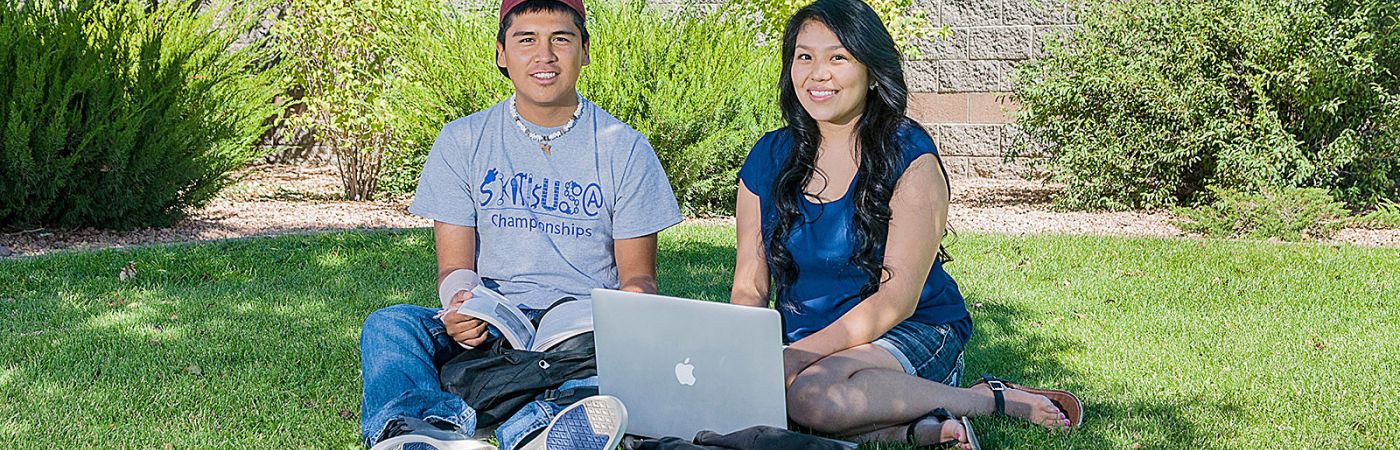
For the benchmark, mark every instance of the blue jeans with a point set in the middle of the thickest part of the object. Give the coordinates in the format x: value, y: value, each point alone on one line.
x: 931, y: 352
x: 401, y: 349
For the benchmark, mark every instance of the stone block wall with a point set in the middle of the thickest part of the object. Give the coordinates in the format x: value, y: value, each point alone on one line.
x: 959, y: 88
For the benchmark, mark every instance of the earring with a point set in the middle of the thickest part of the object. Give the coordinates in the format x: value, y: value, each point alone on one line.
x: 874, y: 85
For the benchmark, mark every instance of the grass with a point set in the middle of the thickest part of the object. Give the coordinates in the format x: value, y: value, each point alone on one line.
x: 1172, y: 343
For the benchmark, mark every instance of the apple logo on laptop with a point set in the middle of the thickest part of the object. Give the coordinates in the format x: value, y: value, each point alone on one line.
x: 685, y: 373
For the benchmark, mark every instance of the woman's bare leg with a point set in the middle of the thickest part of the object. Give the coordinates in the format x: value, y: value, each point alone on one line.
x: 864, y: 389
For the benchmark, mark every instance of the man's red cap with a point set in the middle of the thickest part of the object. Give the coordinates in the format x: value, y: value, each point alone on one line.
x: 507, y: 5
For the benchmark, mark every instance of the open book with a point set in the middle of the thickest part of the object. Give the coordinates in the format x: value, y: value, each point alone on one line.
x: 560, y: 323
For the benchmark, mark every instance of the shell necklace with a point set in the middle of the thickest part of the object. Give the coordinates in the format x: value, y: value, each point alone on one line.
x: 544, y: 140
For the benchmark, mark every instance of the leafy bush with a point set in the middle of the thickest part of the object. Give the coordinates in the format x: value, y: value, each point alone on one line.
x: 695, y: 85
x: 349, y: 57
x: 1386, y: 215
x: 449, y: 69
x: 906, y: 23
x: 1289, y: 214
x: 1149, y: 102
x: 118, y: 114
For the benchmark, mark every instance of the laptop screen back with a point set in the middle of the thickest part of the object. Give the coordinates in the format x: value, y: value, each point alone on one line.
x: 681, y: 366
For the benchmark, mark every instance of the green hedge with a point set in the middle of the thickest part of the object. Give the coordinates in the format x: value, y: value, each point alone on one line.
x: 1385, y: 215
x: 698, y: 86
x: 449, y: 71
x: 1289, y: 214
x: 118, y: 114
x: 1150, y: 102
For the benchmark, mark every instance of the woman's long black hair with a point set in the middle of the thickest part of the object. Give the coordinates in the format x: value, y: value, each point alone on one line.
x: 859, y: 29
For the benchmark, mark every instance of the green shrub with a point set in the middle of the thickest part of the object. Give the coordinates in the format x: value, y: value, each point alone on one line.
x: 349, y: 56
x: 1386, y: 215
x: 449, y: 65
x: 695, y: 85
x: 1149, y: 102
x: 1288, y: 214
x: 906, y: 23
x: 118, y: 114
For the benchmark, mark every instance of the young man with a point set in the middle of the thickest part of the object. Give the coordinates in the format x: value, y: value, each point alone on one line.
x: 546, y: 196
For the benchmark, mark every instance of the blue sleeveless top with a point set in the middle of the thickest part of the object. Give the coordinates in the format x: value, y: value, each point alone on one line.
x: 822, y: 242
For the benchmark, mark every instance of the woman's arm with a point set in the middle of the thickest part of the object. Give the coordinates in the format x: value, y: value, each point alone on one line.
x: 919, y: 213
x: 750, y: 263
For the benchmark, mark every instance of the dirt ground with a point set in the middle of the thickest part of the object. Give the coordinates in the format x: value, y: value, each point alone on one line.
x: 285, y: 199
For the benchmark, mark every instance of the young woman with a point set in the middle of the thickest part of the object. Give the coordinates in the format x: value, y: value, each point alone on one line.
x: 844, y: 210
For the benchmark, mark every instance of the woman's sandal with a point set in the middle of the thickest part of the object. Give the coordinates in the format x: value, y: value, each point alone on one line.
x: 1068, y: 403
x: 942, y: 415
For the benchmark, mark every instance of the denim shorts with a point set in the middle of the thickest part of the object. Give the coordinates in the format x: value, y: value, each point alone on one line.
x: 931, y: 352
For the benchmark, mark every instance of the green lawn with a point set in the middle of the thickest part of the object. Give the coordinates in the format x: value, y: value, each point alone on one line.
x: 1171, y: 343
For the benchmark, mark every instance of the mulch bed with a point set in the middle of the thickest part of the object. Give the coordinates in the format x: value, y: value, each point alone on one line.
x: 285, y: 199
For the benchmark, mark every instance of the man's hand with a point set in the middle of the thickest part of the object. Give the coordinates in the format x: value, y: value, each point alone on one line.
x: 466, y: 330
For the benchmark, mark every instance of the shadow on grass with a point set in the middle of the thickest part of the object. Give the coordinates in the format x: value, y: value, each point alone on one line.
x: 694, y: 268
x: 255, y: 341
x: 1112, y: 420
x: 255, y: 338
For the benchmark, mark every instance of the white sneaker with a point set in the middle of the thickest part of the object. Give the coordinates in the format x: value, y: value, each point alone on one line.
x: 594, y: 423
x: 414, y: 434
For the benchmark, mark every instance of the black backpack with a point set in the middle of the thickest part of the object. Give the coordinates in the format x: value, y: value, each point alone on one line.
x: 498, y: 380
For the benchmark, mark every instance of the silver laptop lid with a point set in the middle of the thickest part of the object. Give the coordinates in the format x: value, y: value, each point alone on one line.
x: 682, y: 366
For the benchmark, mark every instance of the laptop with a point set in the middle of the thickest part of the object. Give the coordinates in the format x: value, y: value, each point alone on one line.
x: 681, y: 366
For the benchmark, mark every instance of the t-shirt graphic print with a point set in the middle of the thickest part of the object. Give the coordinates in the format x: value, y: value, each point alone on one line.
x: 546, y: 222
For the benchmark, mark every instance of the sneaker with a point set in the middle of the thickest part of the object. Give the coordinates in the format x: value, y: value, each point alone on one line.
x: 594, y: 423
x: 406, y: 433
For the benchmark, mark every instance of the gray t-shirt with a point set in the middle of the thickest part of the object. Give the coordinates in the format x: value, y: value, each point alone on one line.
x: 546, y: 223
